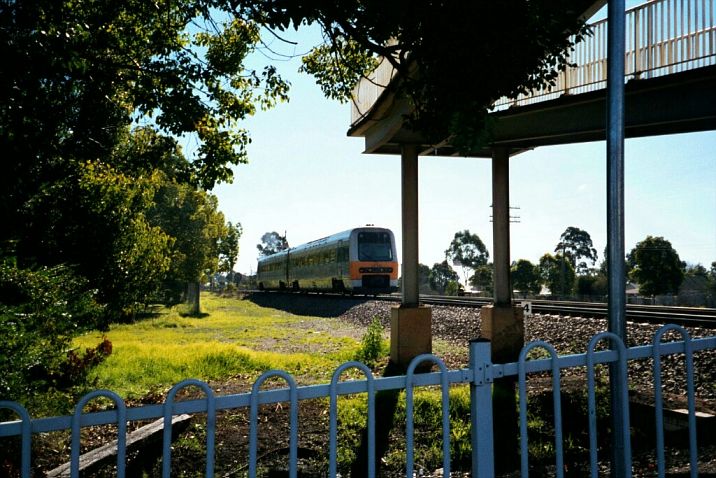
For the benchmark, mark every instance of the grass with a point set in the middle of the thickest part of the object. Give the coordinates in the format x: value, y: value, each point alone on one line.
x: 428, y: 430
x: 232, y: 337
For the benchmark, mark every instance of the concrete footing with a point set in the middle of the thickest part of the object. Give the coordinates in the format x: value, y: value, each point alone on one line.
x: 410, y: 333
x: 504, y: 327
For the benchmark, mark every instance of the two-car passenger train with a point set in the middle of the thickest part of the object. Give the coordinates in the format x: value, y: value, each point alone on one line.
x: 361, y: 260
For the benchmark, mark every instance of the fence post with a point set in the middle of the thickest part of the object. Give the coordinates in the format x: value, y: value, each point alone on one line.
x: 483, y: 460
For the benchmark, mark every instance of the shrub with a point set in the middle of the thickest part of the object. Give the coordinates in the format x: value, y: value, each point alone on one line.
x: 372, y: 347
x: 40, y: 310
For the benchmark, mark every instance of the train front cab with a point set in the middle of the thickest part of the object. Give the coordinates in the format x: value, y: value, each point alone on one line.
x: 373, y: 261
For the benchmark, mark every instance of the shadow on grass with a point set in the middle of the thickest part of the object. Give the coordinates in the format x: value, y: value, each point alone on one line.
x: 386, y: 403
x: 307, y: 304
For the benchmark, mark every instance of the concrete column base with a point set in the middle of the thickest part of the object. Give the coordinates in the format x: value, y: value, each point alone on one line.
x: 505, y: 328
x: 410, y: 333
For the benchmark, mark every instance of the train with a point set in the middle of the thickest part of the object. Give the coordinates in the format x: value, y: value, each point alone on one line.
x: 360, y: 260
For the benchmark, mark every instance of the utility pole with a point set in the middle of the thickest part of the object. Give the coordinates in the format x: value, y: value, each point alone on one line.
x: 562, y: 274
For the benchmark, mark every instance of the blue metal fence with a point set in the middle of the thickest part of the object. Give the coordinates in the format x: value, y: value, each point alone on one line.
x: 479, y: 375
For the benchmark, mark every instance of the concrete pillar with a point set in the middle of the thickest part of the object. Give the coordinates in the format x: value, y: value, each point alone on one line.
x: 501, y: 226
x: 410, y: 324
x: 502, y: 323
x: 409, y: 200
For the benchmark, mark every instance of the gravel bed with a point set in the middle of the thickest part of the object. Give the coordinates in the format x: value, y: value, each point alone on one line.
x: 568, y: 335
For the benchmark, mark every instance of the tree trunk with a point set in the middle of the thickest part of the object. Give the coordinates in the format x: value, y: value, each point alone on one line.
x: 193, y: 292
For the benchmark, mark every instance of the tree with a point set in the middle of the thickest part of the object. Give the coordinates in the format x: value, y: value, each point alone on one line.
x: 482, y: 279
x: 79, y: 77
x: 440, y: 275
x: 575, y: 244
x: 271, y: 243
x: 467, y: 251
x: 657, y: 267
x: 424, y: 278
x: 229, y: 247
x: 434, y: 46
x: 557, y: 274
x: 526, y: 277
x: 192, y: 219
x: 97, y: 221
x: 592, y: 283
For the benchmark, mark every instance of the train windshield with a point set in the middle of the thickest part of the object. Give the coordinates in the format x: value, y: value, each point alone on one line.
x: 374, y: 246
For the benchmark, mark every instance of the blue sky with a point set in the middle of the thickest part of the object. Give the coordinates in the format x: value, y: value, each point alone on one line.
x: 306, y: 177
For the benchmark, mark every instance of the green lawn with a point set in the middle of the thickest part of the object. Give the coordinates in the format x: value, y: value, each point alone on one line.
x: 233, y: 337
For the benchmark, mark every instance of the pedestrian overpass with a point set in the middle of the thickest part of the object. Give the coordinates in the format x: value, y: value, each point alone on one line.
x: 670, y: 76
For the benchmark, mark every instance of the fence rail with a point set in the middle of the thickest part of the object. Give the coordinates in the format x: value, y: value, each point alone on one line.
x: 479, y: 376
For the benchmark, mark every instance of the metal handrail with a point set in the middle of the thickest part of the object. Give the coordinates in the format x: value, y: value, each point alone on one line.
x: 663, y: 37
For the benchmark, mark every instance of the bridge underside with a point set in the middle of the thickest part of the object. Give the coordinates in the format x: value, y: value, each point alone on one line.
x: 677, y: 103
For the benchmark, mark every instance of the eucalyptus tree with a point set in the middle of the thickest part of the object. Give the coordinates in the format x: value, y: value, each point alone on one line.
x: 467, y: 251
x: 271, y: 243
x: 441, y: 274
x: 575, y: 244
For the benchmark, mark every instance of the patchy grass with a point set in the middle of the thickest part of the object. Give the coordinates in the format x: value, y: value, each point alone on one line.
x: 352, y: 412
x: 232, y: 337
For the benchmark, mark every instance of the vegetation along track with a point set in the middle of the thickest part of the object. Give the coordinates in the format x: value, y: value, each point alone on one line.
x: 654, y: 314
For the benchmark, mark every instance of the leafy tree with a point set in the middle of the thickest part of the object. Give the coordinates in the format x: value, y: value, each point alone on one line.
x: 96, y: 220
x: 657, y: 267
x: 424, y: 278
x: 696, y: 270
x: 452, y: 288
x: 557, y: 274
x: 83, y: 70
x: 575, y: 244
x: 712, y: 279
x: 79, y: 79
x: 467, y: 251
x: 229, y: 247
x: 271, y: 243
x: 482, y: 279
x: 192, y: 219
x: 433, y: 46
x: 440, y: 275
x: 526, y: 277
x: 592, y: 283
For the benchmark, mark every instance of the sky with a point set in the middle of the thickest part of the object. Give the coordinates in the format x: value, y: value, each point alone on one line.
x: 307, y: 178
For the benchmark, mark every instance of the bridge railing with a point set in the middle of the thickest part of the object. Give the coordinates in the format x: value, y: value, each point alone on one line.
x: 663, y: 37
x: 479, y: 376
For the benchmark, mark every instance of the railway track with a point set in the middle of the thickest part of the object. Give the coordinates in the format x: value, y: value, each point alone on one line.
x: 687, y: 316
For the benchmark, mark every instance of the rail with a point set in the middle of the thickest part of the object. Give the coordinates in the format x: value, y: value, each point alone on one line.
x: 479, y: 376
x: 663, y: 37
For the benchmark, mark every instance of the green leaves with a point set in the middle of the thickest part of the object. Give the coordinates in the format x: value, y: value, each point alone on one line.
x: 454, y: 59
x: 338, y: 67
x: 656, y: 266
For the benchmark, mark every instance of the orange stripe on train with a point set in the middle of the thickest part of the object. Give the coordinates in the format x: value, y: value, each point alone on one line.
x: 373, y: 268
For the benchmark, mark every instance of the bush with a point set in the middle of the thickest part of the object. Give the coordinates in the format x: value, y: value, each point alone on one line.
x: 372, y: 347
x: 39, y: 312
